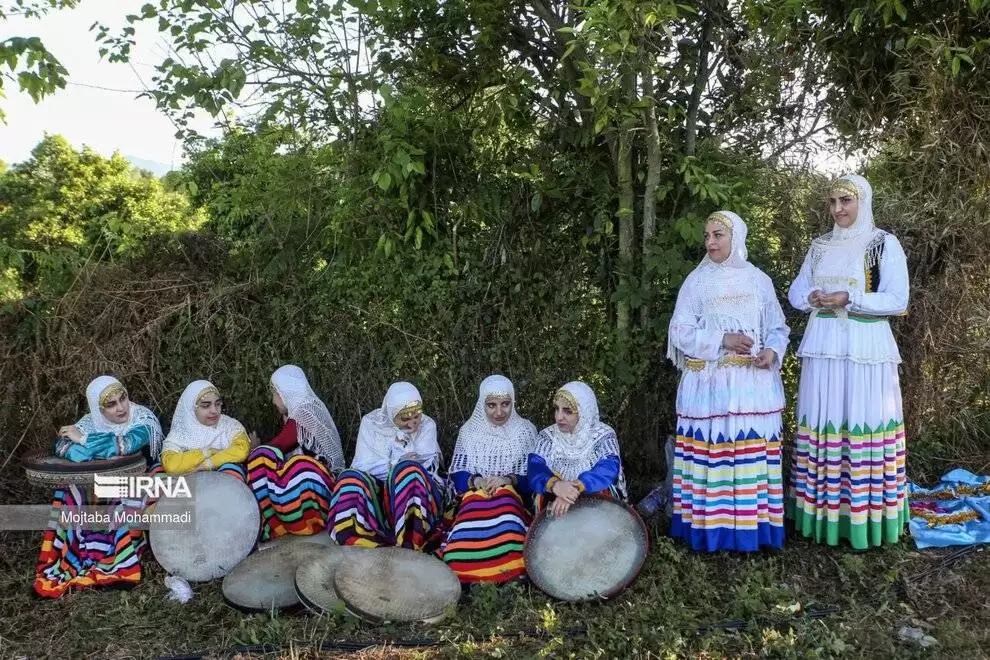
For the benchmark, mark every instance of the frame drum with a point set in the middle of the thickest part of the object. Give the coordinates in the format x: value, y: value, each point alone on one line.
x: 396, y: 584
x: 44, y: 469
x: 227, y: 523
x: 595, y: 551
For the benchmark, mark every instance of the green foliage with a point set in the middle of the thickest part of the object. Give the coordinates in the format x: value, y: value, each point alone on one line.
x: 872, y: 48
x: 26, y: 59
x: 804, y: 602
x: 438, y: 190
x: 305, y: 59
x: 63, y: 207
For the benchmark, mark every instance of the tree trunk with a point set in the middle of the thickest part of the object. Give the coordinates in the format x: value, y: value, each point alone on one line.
x: 627, y: 200
x: 652, y: 181
x: 700, y: 82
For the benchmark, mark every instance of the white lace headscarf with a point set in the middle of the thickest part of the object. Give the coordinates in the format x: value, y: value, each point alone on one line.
x: 723, y: 296
x: 188, y: 433
x: 315, y: 429
x: 570, y: 454
x: 861, y: 241
x: 379, y: 436
x: 96, y: 422
x: 489, y: 450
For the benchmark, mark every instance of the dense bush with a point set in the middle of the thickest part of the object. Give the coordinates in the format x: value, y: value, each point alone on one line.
x: 511, y: 191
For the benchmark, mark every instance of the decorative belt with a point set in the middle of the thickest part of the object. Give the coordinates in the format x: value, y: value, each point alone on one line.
x: 694, y: 364
x: 865, y: 318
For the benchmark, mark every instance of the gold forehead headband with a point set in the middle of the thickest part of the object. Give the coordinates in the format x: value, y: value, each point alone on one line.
x: 496, y: 396
x: 844, y: 187
x: 111, y: 390
x: 205, y: 393
x: 568, y: 399
x: 411, y: 408
x: 720, y: 219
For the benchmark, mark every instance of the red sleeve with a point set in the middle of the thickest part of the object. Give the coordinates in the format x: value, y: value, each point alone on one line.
x: 286, y: 438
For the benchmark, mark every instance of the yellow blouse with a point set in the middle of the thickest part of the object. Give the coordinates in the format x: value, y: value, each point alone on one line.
x: 180, y: 462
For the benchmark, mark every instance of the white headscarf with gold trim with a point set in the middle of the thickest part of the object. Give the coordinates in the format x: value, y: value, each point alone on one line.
x: 188, y: 432
x: 570, y: 454
x: 96, y: 422
x: 722, y: 296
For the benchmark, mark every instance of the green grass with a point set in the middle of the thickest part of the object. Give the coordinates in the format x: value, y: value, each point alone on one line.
x: 683, y: 605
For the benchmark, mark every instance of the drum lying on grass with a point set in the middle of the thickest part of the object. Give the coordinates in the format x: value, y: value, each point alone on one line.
x: 595, y: 551
x: 314, y: 579
x: 265, y: 579
x: 396, y: 585
x: 227, y: 522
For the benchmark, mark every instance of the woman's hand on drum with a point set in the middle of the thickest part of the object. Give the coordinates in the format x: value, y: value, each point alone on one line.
x: 765, y: 358
x: 255, y: 440
x: 834, y: 300
x: 72, y: 433
x: 737, y: 343
x: 559, y: 507
x: 566, y: 490
x: 204, y: 466
x: 410, y: 456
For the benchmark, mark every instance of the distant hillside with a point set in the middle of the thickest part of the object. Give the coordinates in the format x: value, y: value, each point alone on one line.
x: 156, y: 168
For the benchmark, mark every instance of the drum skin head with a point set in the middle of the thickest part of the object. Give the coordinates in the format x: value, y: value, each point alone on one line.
x: 314, y: 578
x: 227, y: 524
x: 397, y: 585
x: 595, y: 551
x: 265, y: 580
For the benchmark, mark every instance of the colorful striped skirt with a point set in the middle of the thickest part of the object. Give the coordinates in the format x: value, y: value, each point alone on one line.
x: 73, y: 559
x: 407, y: 511
x: 728, y: 488
x: 485, y: 543
x: 848, y: 479
x: 293, y: 494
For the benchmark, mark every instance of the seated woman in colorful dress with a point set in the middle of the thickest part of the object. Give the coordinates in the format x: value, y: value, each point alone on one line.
x: 488, y: 476
x: 291, y: 474
x: 202, y: 437
x: 76, y: 559
x: 114, y: 426
x: 392, y: 494
x: 728, y: 336
x: 576, y: 456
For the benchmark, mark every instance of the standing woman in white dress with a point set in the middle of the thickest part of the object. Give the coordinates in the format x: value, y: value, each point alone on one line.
x: 727, y: 337
x: 848, y: 473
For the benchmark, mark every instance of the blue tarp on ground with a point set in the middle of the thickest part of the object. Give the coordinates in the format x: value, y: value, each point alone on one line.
x: 956, y: 511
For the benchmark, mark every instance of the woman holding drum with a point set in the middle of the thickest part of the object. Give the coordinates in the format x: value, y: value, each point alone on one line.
x: 292, y: 474
x: 488, y: 478
x: 727, y: 337
x: 577, y: 455
x: 392, y: 494
x: 114, y: 426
